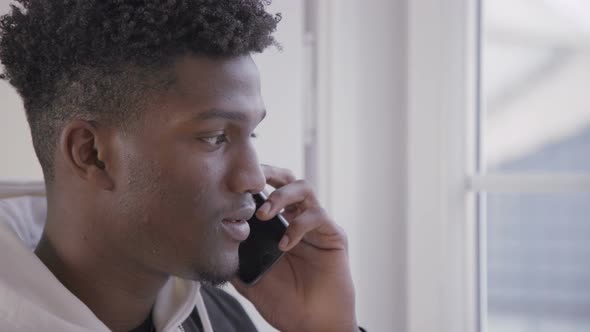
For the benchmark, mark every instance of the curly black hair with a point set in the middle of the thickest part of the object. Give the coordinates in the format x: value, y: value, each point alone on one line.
x: 98, y: 59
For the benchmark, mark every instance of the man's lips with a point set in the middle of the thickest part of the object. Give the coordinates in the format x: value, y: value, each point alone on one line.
x: 244, y: 213
x: 236, y: 229
x: 236, y: 225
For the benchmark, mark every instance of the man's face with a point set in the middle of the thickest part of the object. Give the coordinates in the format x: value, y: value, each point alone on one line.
x: 186, y: 166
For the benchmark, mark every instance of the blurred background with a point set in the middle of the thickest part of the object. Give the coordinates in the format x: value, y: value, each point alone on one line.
x: 394, y: 108
x: 536, y: 74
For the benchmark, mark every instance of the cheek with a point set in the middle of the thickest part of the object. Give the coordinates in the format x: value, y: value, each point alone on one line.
x: 174, y: 189
x: 199, y: 177
x: 180, y: 205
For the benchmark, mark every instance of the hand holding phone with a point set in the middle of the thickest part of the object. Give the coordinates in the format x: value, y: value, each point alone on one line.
x: 261, y: 249
x: 312, y: 282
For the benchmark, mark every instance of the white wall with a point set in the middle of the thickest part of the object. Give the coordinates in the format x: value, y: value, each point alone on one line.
x: 16, y: 150
x: 281, y: 133
x: 363, y: 150
x: 17, y: 159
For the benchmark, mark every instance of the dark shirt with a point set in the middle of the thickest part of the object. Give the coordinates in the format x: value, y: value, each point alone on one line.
x: 225, y: 313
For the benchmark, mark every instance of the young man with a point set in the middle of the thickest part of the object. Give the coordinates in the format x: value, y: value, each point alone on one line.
x: 142, y: 115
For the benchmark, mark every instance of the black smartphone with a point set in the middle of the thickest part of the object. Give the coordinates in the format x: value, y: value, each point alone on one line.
x: 261, y: 249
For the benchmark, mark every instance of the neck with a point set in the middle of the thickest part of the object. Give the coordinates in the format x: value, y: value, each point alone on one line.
x: 120, y: 293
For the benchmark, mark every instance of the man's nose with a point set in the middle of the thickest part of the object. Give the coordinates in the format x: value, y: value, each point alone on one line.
x: 246, y: 175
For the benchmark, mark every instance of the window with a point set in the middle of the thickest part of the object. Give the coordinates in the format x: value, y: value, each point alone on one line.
x: 498, y: 165
x: 534, y: 166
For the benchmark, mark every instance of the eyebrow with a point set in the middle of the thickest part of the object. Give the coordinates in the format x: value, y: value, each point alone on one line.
x: 224, y: 114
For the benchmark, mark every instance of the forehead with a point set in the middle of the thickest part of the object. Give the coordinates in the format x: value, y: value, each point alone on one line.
x: 202, y: 84
x: 201, y: 79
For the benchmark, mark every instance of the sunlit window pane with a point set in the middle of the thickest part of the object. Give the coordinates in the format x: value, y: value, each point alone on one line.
x: 538, y: 254
x: 536, y: 74
x: 536, y: 117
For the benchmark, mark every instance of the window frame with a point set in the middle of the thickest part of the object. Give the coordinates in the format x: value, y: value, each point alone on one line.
x: 447, y: 183
x: 442, y: 257
x: 443, y: 96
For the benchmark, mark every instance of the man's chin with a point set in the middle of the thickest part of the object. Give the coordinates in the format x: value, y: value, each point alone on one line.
x: 218, y: 270
x: 220, y: 274
x: 215, y: 279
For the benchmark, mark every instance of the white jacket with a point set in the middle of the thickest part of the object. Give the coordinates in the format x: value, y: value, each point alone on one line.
x: 32, y: 299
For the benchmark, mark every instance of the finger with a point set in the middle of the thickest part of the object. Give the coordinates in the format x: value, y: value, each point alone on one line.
x: 305, y: 223
x: 278, y: 177
x: 296, y: 195
x: 292, y: 211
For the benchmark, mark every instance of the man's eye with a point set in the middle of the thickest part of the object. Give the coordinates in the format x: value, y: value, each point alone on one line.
x: 215, y: 140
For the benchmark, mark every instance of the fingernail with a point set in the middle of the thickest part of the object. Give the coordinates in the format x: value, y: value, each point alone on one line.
x: 284, y: 242
x: 264, y: 209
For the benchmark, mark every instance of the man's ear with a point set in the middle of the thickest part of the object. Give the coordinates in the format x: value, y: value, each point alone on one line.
x: 84, y: 147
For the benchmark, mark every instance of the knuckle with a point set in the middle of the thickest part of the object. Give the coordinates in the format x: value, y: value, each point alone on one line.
x: 321, y: 213
x: 302, y: 183
x: 296, y: 227
x: 345, y: 240
x: 341, y: 233
x: 289, y: 175
x: 307, y: 187
x: 276, y: 196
